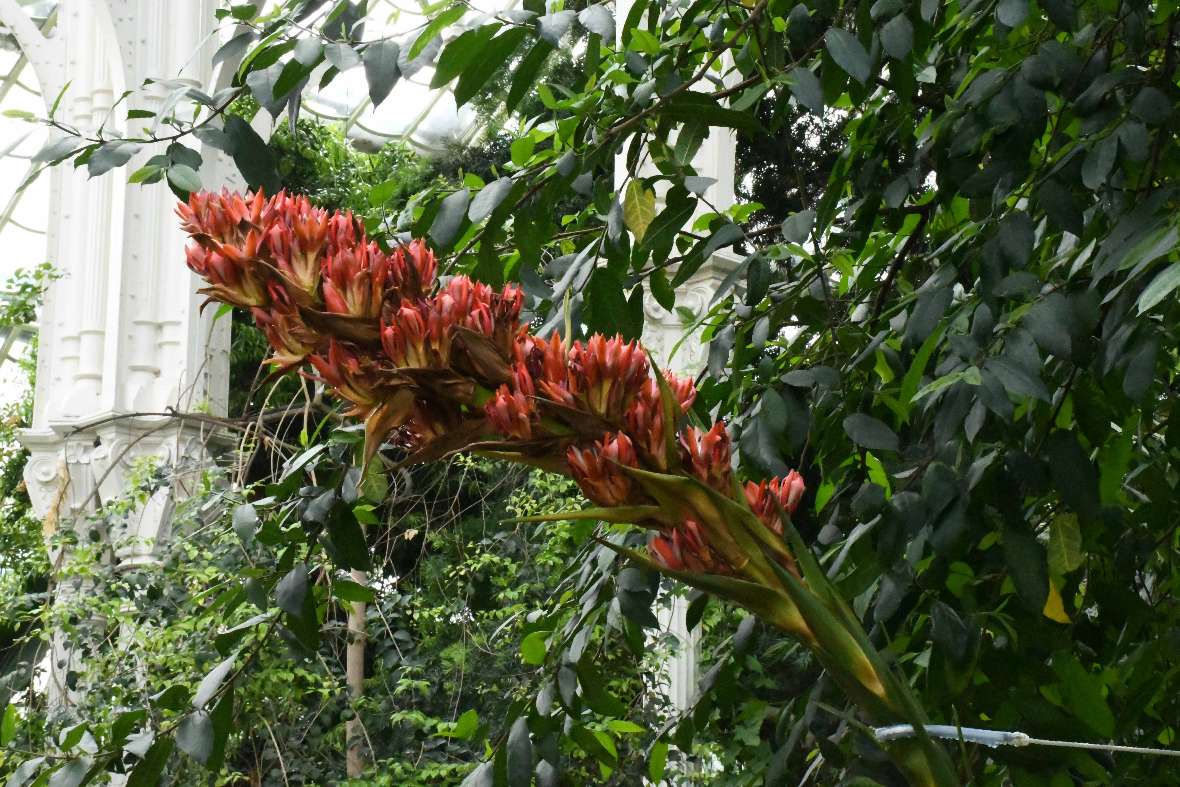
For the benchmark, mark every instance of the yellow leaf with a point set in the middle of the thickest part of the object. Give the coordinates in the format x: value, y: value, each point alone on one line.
x: 639, y: 208
x: 1054, y: 608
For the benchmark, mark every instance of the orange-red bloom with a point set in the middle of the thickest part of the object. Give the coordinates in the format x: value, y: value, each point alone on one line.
x: 766, y: 498
x: 511, y: 410
x: 686, y: 548
x: 596, y: 469
x: 351, y: 374
x: 608, y: 373
x: 645, y: 415
x: 412, y: 270
x: 355, y: 280
x: 707, y: 456
x: 296, y: 234
x: 291, y: 339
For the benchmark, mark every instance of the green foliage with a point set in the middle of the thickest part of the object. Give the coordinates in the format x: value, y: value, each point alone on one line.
x: 956, y: 313
x: 24, y: 565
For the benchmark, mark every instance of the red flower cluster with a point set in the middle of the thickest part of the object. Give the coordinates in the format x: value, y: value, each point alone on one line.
x: 426, y: 360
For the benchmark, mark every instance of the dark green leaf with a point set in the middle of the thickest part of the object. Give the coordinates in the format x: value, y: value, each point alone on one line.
x: 451, y: 213
x: 341, y: 55
x: 897, y: 36
x: 381, y: 69
x: 1026, y: 563
x: 806, y: 88
x: 797, y: 226
x: 1082, y: 692
x: 520, y: 753
x: 483, y: 776
x: 148, y: 770
x: 868, y: 432
x: 434, y: 28
x: 291, y: 591
x: 460, y: 53
x: 497, y: 52
x: 252, y: 156
x: 848, y: 53
x: 1065, y: 544
x: 1012, y: 12
x: 184, y: 178
x: 109, y: 155
x: 1161, y: 287
x: 761, y: 435
x: 1151, y: 106
x: 211, y: 683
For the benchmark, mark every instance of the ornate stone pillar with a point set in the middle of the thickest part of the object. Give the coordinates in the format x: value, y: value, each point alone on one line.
x: 123, y: 341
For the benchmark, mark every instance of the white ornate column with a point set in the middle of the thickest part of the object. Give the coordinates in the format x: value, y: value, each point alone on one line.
x: 122, y: 337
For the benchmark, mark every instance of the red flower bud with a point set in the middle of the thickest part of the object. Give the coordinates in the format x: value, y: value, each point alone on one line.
x: 685, y: 548
x: 707, y: 456
x: 354, y: 281
x: 608, y: 372
x: 766, y: 498
x: 351, y: 376
x: 645, y: 415
x: 596, y: 469
x: 412, y: 270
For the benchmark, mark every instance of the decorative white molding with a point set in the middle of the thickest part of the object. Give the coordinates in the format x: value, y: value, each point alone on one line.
x: 121, y: 331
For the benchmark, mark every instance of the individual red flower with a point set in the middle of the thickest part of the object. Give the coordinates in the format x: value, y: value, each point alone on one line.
x: 707, y: 456
x: 403, y: 338
x: 291, y: 339
x: 686, y: 548
x: 233, y: 273
x: 511, y: 409
x: 352, y: 376
x: 766, y: 498
x: 645, y: 415
x: 608, y: 373
x: 548, y: 362
x: 596, y: 469
x: 296, y: 235
x: 355, y: 281
x: 412, y: 270
x: 224, y: 217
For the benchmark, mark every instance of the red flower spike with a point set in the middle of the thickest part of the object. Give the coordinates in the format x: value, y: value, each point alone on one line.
x: 707, y: 456
x: 404, y: 339
x: 548, y: 362
x: 512, y: 410
x: 596, y: 469
x: 766, y: 498
x: 223, y: 217
x: 233, y: 277
x: 296, y: 234
x: 510, y: 413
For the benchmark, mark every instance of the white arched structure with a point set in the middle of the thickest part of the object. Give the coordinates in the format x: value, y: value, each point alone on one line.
x: 123, y: 341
